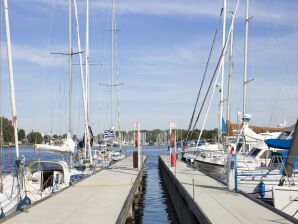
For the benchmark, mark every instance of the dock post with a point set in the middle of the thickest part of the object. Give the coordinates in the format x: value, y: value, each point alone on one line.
x: 137, y: 142
x: 236, y: 173
x: 140, y: 162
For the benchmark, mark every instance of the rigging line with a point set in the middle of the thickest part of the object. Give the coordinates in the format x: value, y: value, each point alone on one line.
x: 95, y: 55
x: 48, y: 47
x: 117, y: 78
x: 204, y: 76
x: 219, y: 64
x: 105, y: 107
x: 1, y: 88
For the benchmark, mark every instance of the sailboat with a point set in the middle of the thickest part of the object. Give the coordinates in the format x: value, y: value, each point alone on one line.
x: 12, y: 195
x: 213, y: 159
x: 112, y: 140
x: 43, y: 178
x: 260, y: 181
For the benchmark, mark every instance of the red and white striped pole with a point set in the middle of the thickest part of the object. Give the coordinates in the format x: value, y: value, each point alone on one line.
x: 137, y: 143
x: 172, y: 144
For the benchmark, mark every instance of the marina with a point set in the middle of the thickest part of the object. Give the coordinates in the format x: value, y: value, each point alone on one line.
x: 188, y: 115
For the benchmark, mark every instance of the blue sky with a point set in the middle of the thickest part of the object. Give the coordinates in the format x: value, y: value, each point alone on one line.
x: 162, y: 51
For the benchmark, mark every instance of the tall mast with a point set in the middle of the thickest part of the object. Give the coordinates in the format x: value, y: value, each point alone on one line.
x: 87, y: 57
x: 231, y: 64
x: 245, y: 58
x: 117, y: 76
x: 222, y: 70
x: 118, y: 94
x: 87, y: 138
x: 70, y: 128
x: 82, y: 76
x: 11, y: 79
x: 113, y: 51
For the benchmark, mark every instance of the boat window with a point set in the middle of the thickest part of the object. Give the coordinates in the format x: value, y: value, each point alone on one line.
x: 266, y: 154
x: 284, y: 135
x: 254, y: 152
x: 239, y: 145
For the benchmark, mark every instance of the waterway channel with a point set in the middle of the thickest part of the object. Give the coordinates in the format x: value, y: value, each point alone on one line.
x: 154, y: 205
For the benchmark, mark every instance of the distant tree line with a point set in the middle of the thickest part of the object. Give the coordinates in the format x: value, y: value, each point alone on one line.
x: 158, y: 135
x: 155, y: 135
x: 7, y: 134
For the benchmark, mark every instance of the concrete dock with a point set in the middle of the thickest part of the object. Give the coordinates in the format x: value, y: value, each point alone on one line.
x: 104, y: 197
x: 198, y: 198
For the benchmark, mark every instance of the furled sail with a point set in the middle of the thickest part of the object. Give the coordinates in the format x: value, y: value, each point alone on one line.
x: 67, y: 147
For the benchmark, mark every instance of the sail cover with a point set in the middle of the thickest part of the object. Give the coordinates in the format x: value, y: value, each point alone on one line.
x: 248, y: 133
x: 279, y: 143
x: 67, y: 147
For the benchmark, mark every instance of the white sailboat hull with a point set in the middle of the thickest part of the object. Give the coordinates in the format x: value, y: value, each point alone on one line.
x: 285, y: 198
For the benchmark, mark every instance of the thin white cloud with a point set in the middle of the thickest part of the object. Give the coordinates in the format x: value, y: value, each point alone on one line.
x: 268, y: 11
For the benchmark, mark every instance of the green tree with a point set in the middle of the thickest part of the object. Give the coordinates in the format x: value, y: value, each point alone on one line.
x: 21, y: 134
x: 7, y: 130
x: 35, y: 138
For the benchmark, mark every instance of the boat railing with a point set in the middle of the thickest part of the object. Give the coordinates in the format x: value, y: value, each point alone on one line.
x: 275, y: 167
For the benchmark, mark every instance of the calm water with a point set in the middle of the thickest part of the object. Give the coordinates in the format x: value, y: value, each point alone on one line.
x: 153, y: 206
x: 8, y: 156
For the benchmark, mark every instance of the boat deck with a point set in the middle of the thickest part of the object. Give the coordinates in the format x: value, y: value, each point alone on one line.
x: 214, y: 201
x: 100, y: 198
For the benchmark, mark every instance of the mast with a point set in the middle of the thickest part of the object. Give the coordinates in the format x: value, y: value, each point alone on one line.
x: 118, y: 94
x: 231, y: 64
x: 117, y: 76
x: 245, y: 58
x: 11, y: 79
x: 87, y: 57
x: 87, y: 138
x: 86, y: 132
x: 222, y: 71
x: 70, y: 128
x: 112, y: 55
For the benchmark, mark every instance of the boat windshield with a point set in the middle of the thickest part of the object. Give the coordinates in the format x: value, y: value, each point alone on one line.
x: 284, y: 135
x: 254, y: 152
x: 46, y: 166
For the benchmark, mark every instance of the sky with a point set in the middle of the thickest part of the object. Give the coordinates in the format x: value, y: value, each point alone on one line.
x: 162, y: 51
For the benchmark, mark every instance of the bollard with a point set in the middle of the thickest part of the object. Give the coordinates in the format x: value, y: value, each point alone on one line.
x: 135, y: 159
x: 173, y: 159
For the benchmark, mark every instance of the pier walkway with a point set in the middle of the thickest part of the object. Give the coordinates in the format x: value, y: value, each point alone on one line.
x: 104, y: 197
x: 208, y: 201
